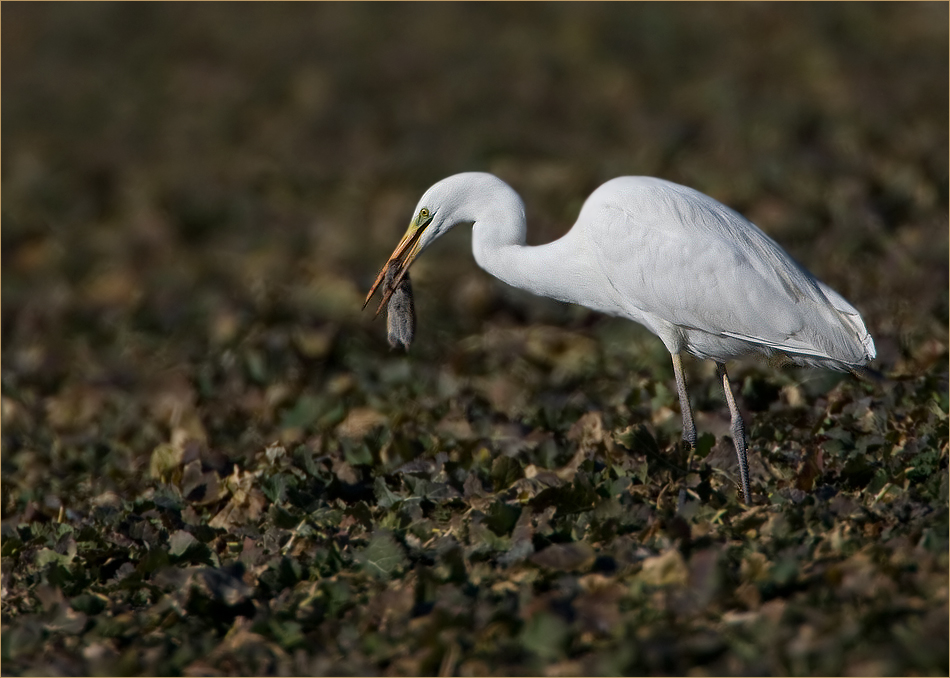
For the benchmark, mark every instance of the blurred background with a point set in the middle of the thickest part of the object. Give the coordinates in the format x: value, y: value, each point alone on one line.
x: 196, y: 197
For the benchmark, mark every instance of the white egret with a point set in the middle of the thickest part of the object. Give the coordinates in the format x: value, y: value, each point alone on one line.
x: 697, y: 274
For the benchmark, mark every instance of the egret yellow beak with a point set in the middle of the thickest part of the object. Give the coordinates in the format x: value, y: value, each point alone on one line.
x: 403, y: 256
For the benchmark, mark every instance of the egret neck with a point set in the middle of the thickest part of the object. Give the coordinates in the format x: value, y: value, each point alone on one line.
x: 555, y: 270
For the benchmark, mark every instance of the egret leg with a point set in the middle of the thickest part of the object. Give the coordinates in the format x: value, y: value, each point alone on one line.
x: 738, y: 432
x: 689, y: 428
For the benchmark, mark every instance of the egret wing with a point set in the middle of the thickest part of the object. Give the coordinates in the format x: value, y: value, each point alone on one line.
x: 684, y: 261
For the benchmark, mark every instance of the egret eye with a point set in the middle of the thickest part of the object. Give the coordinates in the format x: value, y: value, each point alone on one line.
x: 423, y: 214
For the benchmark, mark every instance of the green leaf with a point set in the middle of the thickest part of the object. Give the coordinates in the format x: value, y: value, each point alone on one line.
x: 256, y: 366
x: 331, y: 416
x: 180, y: 542
x: 784, y: 571
x: 282, y: 574
x: 89, y: 603
x: 545, y: 635
x: 505, y: 471
x: 638, y: 439
x: 704, y: 444
x: 336, y: 594
x: 501, y: 517
x: 361, y: 512
x: 384, y: 496
x: 452, y: 564
x: 165, y: 458
x: 575, y: 498
x: 283, y: 518
x: 305, y: 458
x: 304, y: 412
x: 155, y: 559
x: 46, y: 556
x: 11, y: 546
x: 274, y: 487
x: 383, y: 557
x: 287, y: 633
x: 483, y: 539
x: 357, y: 454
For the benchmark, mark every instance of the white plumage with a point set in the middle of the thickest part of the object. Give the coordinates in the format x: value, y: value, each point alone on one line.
x: 697, y: 274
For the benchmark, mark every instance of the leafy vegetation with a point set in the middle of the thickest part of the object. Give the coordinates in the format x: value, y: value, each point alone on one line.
x: 214, y: 464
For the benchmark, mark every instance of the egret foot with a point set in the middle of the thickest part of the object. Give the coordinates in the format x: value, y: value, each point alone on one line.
x: 738, y: 432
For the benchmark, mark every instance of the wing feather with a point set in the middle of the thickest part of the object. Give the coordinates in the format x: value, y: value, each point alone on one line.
x: 675, y: 255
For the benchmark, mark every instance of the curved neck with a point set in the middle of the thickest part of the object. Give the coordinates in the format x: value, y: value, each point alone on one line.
x: 562, y: 269
x: 552, y: 270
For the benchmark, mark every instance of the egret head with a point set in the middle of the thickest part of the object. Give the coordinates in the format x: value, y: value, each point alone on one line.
x: 417, y: 237
x: 456, y: 199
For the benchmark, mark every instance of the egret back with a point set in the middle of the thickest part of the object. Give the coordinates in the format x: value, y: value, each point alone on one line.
x: 708, y: 281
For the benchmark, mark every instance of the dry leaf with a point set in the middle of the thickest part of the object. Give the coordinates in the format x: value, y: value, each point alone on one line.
x: 666, y: 569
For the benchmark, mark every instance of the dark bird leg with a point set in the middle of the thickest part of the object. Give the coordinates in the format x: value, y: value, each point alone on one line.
x: 689, y: 428
x: 738, y: 432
